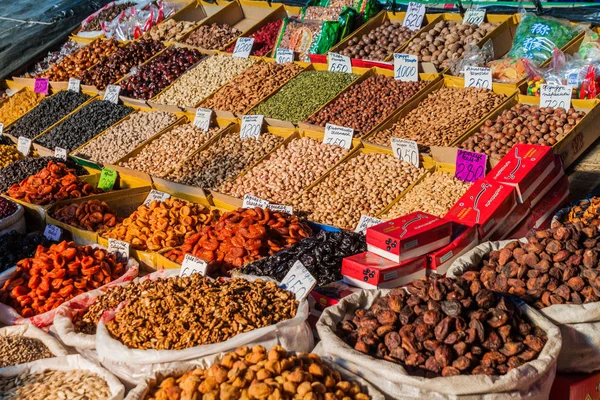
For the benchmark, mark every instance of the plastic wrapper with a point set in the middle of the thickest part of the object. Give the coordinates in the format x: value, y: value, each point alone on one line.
x: 92, y: 25
x: 135, y: 21
x: 308, y: 36
x: 475, y: 57
x: 508, y: 70
x: 366, y: 8
x: 590, y: 46
x: 346, y: 16
x: 53, y: 57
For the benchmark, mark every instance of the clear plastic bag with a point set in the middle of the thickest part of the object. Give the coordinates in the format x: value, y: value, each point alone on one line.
x: 135, y: 21
x: 475, y: 57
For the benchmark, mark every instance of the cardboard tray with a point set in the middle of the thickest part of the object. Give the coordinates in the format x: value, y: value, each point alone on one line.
x: 20, y: 89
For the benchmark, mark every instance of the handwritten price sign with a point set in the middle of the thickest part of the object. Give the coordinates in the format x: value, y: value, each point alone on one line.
x: 470, y: 166
x: 406, y: 67
x: 415, y: 13
x: 41, y: 85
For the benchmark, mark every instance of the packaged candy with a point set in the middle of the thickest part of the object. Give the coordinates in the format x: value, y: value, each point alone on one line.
x: 308, y: 36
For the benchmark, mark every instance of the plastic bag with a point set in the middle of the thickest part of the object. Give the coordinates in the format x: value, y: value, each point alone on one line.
x: 366, y: 8
x: 308, y: 37
x: 135, y: 21
x: 346, y: 16
x: 590, y: 46
x: 88, y: 31
x: 475, y: 57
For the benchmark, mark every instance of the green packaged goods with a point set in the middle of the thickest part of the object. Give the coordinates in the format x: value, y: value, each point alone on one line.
x: 346, y: 16
x: 366, y: 8
x: 308, y: 36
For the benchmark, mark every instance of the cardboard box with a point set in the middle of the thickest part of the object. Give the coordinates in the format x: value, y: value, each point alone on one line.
x: 370, y: 271
x: 409, y: 236
x: 514, y: 218
x: 464, y: 238
x: 554, y: 200
x: 486, y: 204
x: 553, y: 177
x: 525, y: 167
x: 576, y: 387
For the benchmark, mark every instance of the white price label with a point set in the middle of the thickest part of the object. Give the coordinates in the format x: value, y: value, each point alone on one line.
x: 299, y: 281
x: 281, y: 208
x: 474, y: 16
x: 555, y: 96
x: 406, y: 150
x: 406, y: 67
x: 74, y: 84
x: 203, y: 118
x: 1, y: 129
x: 24, y: 145
x: 338, y: 136
x: 120, y: 248
x: 156, y: 195
x: 251, y: 126
x: 253, y: 201
x: 478, y: 77
x: 112, y: 93
x: 53, y: 232
x: 243, y: 47
x: 284, y: 56
x: 366, y: 222
x: 192, y: 265
x: 59, y: 152
x: 339, y: 63
x: 415, y: 13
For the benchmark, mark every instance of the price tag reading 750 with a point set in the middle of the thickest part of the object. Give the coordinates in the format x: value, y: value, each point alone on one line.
x: 299, y: 281
x: 251, y: 126
x: 406, y: 150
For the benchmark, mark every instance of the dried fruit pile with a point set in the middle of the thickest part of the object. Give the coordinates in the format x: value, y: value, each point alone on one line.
x: 585, y: 213
x: 92, y: 215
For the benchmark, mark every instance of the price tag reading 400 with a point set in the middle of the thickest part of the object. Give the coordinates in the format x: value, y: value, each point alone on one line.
x: 284, y: 56
x: 251, y: 126
x: 415, y: 13
x: 112, y: 93
x: 406, y: 150
x: 338, y: 136
x: 474, y: 16
x: 406, y: 67
x: 299, y: 281
x: 478, y: 77
x: 339, y: 63
x: 243, y: 47
x: 192, y: 265
x: 555, y: 96
x: 203, y: 118
x: 470, y: 166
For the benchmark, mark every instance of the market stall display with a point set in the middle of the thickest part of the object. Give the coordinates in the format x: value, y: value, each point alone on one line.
x: 8, y: 154
x: 584, y: 213
x: 212, y: 37
x: 306, y: 37
x: 109, y: 12
x: 170, y: 30
x: 20, y: 170
x: 264, y: 39
x: 378, y: 44
x: 16, y: 246
x: 20, y: 349
x: 17, y: 105
x: 52, y: 58
x: 92, y: 215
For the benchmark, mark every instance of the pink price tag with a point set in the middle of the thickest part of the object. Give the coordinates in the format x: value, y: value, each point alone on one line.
x: 470, y: 166
x: 41, y: 85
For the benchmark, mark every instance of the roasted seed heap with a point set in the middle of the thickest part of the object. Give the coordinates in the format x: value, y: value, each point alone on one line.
x: 257, y: 374
x: 185, y: 312
x: 445, y: 327
x: 54, y: 385
x: 21, y: 349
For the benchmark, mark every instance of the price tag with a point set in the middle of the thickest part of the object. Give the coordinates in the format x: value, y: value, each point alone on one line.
x: 366, y: 222
x: 108, y: 177
x: 470, y: 166
x: 120, y: 248
x: 474, y: 16
x: 243, y: 47
x: 156, y: 195
x: 1, y: 129
x: 284, y: 56
x: 41, y: 85
x: 406, y: 150
x: 281, y: 208
x: 53, y: 232
x: 414, y: 16
x: 24, y: 145
x: 112, y: 93
x: 253, y: 201
x: 192, y: 265
x: 406, y: 67
x: 555, y: 96
x: 299, y: 281
x: 251, y: 126
x: 339, y: 63
x: 203, y: 118
x: 74, y: 84
x: 338, y: 136
x: 478, y: 77
x: 59, y: 152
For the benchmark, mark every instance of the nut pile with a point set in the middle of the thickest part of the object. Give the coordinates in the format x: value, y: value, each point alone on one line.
x: 366, y: 104
x: 321, y: 255
x: 92, y: 215
x: 287, y: 171
x: 442, y: 117
x: 379, y: 178
x: 202, y: 80
x: 57, y: 274
x: 16, y: 350
x: 162, y: 224
x: 585, y: 213
x: 555, y: 266
x: 212, y: 37
x: 435, y: 195
x: 83, y: 125
x: 264, y: 39
x: 7, y: 208
x: 257, y: 374
x: 251, y: 86
x: 53, y: 183
x: 212, y: 311
x: 123, y: 138
x: 106, y: 15
x: 153, y: 77
x: 170, y: 30
x: 223, y: 160
x: 8, y: 155
x: 303, y: 95
x: 240, y: 237
x: 447, y: 41
x: 50, y: 110
x: 171, y: 148
x: 18, y: 105
x: 54, y: 385
x: 379, y: 43
x: 53, y: 57
x: 446, y: 327
x: 523, y: 123
x: 114, y: 67
x: 74, y: 65
x: 22, y: 169
x: 15, y: 246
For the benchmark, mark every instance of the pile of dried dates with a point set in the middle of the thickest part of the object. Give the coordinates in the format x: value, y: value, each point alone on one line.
x: 447, y: 327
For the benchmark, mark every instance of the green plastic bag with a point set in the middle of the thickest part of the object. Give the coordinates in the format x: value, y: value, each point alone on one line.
x: 348, y: 17
x: 308, y: 36
x: 366, y: 8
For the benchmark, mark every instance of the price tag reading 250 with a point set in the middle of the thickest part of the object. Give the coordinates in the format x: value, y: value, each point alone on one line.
x: 470, y: 166
x: 251, y: 126
x: 338, y: 136
x: 478, y: 77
